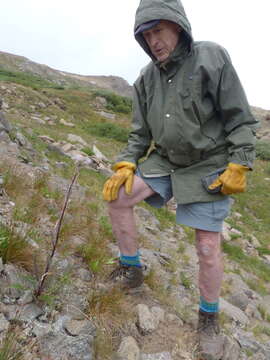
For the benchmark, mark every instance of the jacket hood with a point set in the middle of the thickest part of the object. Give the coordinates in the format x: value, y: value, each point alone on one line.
x: 171, y: 10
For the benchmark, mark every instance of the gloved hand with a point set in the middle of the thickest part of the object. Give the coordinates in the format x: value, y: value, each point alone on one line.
x: 233, y: 180
x: 124, y: 174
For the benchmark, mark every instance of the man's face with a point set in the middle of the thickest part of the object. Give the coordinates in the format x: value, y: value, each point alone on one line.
x: 162, y: 39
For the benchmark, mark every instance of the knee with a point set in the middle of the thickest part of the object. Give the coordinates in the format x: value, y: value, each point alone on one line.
x: 123, y: 201
x: 208, y: 245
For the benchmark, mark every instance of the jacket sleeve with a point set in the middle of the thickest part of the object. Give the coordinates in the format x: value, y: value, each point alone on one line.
x: 140, y: 136
x: 239, y: 123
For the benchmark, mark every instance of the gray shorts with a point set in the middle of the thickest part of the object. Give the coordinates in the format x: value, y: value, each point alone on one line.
x: 200, y: 215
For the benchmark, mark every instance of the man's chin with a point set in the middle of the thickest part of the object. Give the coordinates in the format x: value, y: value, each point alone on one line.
x: 162, y: 58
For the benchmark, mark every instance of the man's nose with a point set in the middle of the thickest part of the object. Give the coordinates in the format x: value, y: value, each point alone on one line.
x: 153, y: 41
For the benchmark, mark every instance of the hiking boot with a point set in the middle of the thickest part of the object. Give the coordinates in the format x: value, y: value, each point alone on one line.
x: 211, y: 342
x: 127, y: 276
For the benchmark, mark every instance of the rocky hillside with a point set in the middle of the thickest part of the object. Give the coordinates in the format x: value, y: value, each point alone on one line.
x: 52, y: 135
x: 16, y: 63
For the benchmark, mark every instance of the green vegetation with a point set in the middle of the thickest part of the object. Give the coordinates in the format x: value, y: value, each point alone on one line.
x: 88, y: 151
x: 263, y: 150
x: 265, y: 315
x: 257, y: 285
x: 164, y: 216
x: 9, y: 347
x: 26, y: 79
x: 107, y: 130
x: 249, y: 263
x: 185, y: 280
x: 260, y: 329
x: 13, y: 248
x: 116, y: 103
x: 253, y: 205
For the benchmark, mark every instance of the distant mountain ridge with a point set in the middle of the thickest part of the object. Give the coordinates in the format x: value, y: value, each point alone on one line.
x: 120, y: 86
x: 116, y: 84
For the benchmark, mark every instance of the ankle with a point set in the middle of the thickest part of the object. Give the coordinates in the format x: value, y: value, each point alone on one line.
x: 208, y: 307
x: 133, y: 260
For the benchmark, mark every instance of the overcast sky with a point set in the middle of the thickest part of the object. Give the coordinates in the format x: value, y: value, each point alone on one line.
x: 96, y: 37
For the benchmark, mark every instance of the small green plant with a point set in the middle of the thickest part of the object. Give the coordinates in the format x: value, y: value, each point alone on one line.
x: 105, y: 226
x: 51, y: 295
x: 88, y: 151
x: 185, y: 280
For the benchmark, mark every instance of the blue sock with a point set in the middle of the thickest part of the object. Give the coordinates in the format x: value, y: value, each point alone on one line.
x: 209, y: 307
x: 131, y: 260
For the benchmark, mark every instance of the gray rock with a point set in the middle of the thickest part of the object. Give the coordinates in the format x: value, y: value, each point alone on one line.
x: 231, y: 349
x: 258, y: 356
x: 79, y: 327
x: 29, y: 312
x: 1, y: 265
x: 157, y: 356
x: 253, y: 312
x: 68, y: 147
x: 25, y: 313
x: 101, y: 100
x: 4, y: 123
x: 66, y: 123
x: 248, y: 342
x: 226, y: 231
x: 233, y: 312
x: 146, y: 322
x: 4, y: 324
x: 76, y: 305
x: 13, y: 281
x: 40, y: 329
x: 58, y: 347
x: 76, y: 139
x: 128, y: 349
x: 84, y: 274
x: 174, y: 319
x: 106, y: 115
x: 99, y: 154
x: 265, y: 304
x: 240, y: 300
x: 158, y: 315
x: 26, y: 298
x: 4, y: 137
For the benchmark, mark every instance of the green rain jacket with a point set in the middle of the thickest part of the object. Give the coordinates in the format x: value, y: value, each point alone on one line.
x: 194, y: 110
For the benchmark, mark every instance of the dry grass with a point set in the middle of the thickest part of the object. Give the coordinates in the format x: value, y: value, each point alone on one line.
x: 15, y: 249
x: 111, y: 314
x: 11, y: 347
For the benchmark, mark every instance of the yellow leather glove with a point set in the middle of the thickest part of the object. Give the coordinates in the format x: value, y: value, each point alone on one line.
x: 124, y: 174
x: 233, y: 180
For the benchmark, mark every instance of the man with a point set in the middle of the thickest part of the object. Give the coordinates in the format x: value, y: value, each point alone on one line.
x: 191, y: 111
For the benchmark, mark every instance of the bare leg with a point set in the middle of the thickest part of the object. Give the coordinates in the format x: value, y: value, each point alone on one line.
x: 211, y: 264
x: 122, y: 216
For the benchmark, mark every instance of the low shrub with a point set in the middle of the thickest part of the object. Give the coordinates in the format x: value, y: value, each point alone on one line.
x: 107, y: 130
x: 115, y: 102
